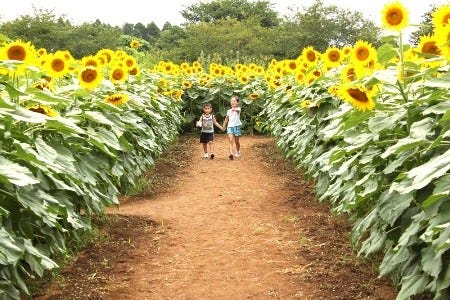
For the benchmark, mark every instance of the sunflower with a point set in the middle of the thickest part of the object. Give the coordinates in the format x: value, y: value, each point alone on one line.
x: 300, y: 77
x: 118, y: 75
x: 19, y: 51
x: 57, y: 65
x: 394, y: 16
x: 305, y: 104
x: 186, y: 84
x: 333, y: 57
x: 244, y: 79
x: 363, y: 53
x: 43, y: 84
x: 134, y: 71
x: 348, y: 73
x: 254, y: 96
x: 91, y: 61
x: 43, y: 109
x: 116, y: 99
x: 134, y: 44
x: 130, y: 62
x: 359, y: 97
x: 441, y: 17
x: 428, y: 45
x: 107, y: 55
x: 90, y: 78
x: 310, y: 55
x: 41, y: 51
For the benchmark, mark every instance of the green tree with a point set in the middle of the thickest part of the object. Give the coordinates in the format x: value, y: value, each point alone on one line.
x: 240, y: 10
x: 87, y: 39
x: 43, y: 30
x: 228, y: 38
x: 323, y: 26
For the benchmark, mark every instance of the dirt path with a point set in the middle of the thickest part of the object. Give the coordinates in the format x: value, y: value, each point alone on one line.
x: 242, y: 229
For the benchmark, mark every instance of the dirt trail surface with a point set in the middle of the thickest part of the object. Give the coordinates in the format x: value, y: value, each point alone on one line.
x: 247, y: 228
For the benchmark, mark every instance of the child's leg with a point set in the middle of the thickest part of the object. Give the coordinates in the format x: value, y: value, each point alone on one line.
x: 238, y: 144
x: 211, y: 146
x: 205, y: 149
x: 231, y: 140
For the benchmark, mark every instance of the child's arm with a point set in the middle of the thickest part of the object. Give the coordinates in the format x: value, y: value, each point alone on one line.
x: 225, y: 122
x: 236, y: 109
x: 217, y: 123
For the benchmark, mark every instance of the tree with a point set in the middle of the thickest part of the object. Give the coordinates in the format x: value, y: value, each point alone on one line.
x: 424, y: 28
x: 236, y: 9
x: 324, y: 26
x: 229, y: 39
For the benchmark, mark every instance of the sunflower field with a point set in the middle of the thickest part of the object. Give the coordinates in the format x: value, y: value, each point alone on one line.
x: 370, y: 126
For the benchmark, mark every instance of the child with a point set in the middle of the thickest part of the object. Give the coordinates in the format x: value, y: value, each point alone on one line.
x: 206, y: 122
x: 234, y: 126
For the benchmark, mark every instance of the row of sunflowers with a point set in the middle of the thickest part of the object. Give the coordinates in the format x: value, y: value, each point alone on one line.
x: 371, y: 126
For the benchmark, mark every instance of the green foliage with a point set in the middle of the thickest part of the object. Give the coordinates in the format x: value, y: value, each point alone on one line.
x: 56, y: 173
x: 241, y: 10
x: 388, y: 169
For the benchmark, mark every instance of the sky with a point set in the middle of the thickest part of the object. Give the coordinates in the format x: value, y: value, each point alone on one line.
x: 134, y: 11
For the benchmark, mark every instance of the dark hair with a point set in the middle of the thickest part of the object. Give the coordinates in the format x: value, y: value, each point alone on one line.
x: 207, y: 104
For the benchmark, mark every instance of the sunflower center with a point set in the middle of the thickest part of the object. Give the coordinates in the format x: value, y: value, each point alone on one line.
x: 358, y: 95
x: 430, y: 48
x: 117, y: 74
x: 89, y: 75
x: 311, y: 56
x: 17, y: 53
x: 133, y: 71
x: 394, y: 17
x: 333, y: 56
x: 362, y: 54
x: 57, y: 65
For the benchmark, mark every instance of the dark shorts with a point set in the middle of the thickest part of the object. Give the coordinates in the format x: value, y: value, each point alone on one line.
x: 206, y: 137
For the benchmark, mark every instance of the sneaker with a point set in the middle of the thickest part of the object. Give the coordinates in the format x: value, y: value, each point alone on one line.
x: 237, y: 154
x: 205, y: 155
x: 231, y: 157
x: 212, y: 156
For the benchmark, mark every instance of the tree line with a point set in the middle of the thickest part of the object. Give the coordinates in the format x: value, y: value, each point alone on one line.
x: 221, y: 30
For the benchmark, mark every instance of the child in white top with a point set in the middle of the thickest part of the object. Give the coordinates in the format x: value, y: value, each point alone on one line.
x: 234, y: 126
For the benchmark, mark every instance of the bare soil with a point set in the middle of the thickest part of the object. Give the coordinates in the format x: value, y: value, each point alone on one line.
x: 248, y: 228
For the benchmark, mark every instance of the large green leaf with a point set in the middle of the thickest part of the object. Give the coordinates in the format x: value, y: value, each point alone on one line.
x: 15, y: 173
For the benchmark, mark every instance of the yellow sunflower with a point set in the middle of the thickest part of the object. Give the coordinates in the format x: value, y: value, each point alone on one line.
x: 118, y: 75
x: 91, y: 61
x: 186, y: 84
x: 134, y: 71
x: 348, y: 74
x: 254, y: 96
x: 43, y: 109
x: 310, y: 55
x: 305, y: 104
x: 116, y: 99
x: 428, y: 45
x: 20, y: 51
x: 394, y: 16
x: 90, y: 77
x: 57, y: 65
x: 43, y: 84
x: 333, y: 57
x: 134, y: 44
x: 441, y: 17
x: 363, y: 53
x: 41, y: 51
x: 358, y: 96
